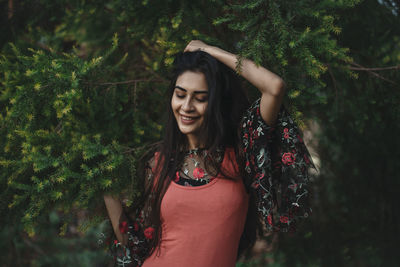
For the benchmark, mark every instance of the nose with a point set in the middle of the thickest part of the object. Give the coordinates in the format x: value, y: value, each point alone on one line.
x: 187, y: 105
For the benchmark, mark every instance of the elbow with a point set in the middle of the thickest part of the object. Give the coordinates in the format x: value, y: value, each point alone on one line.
x: 278, y: 88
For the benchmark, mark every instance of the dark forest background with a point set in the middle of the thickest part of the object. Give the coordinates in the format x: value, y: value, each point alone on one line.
x: 82, y: 91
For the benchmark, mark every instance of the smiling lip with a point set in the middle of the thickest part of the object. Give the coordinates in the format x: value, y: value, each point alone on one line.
x: 188, y: 120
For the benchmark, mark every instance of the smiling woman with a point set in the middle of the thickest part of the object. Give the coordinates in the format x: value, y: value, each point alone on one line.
x: 189, y: 105
x: 222, y: 167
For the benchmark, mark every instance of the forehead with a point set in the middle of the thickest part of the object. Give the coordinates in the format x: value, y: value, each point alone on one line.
x: 192, y: 81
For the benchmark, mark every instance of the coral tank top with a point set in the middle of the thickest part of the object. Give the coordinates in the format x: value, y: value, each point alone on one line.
x: 202, y: 225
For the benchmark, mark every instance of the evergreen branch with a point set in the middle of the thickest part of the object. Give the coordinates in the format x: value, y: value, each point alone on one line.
x: 333, y: 80
x: 126, y: 82
x: 134, y: 149
x: 34, y: 247
x: 130, y: 149
x: 142, y: 66
x: 40, y: 45
x: 374, y: 69
x: 369, y: 70
x: 58, y: 128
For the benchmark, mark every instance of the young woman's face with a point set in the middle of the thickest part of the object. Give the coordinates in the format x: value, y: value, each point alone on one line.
x: 189, y: 103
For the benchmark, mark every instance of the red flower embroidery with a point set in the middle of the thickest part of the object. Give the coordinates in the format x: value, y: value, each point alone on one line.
x: 286, y: 130
x: 269, y: 218
x: 284, y: 219
x: 288, y: 158
x: 177, y: 176
x: 115, y: 241
x: 149, y: 232
x: 135, y: 226
x: 255, y: 184
x: 286, y: 136
x: 123, y: 227
x: 198, y: 173
x: 300, y: 140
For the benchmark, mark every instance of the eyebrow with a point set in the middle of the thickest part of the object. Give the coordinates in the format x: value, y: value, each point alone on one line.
x: 196, y: 92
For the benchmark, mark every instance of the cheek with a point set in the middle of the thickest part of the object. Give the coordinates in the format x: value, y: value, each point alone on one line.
x: 174, y: 104
x: 203, y: 109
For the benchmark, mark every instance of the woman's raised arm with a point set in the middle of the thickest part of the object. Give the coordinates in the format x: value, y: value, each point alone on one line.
x: 271, y: 86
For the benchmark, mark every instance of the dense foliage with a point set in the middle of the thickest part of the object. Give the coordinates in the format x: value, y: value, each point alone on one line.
x: 82, y: 91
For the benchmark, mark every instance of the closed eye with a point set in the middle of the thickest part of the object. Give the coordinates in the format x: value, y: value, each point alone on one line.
x: 202, y: 100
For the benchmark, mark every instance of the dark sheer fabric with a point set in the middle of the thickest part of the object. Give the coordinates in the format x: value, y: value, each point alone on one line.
x: 276, y: 166
x: 277, y: 163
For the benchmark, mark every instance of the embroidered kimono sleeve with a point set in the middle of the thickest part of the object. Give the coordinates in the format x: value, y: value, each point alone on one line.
x: 277, y: 163
x: 137, y: 236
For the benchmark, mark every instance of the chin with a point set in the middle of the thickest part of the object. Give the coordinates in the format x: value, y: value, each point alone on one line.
x: 187, y: 131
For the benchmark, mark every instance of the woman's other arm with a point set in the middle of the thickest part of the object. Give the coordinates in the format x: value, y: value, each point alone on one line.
x: 114, y: 209
x: 271, y: 86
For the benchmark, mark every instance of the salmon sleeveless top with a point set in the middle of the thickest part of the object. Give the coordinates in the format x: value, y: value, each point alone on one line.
x: 202, y: 225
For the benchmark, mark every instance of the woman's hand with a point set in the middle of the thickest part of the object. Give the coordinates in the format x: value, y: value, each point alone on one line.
x: 195, y: 45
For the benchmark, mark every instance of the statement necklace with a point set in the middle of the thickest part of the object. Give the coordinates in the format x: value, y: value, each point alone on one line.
x: 191, y: 167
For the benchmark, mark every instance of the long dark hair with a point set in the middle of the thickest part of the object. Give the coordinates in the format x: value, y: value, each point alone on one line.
x: 227, y: 102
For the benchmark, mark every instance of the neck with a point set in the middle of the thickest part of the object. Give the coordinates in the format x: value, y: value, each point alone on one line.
x: 193, y: 142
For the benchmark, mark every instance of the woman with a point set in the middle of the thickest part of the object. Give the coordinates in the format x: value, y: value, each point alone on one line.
x: 222, y: 170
